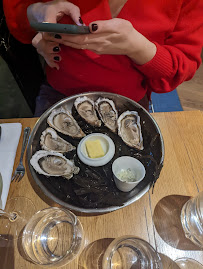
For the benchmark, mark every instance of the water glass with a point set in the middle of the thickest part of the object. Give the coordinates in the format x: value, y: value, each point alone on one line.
x: 129, y: 252
x: 187, y: 263
x: 192, y: 219
x: 52, y: 237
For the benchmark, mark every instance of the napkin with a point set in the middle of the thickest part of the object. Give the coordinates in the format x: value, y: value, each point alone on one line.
x: 10, y: 135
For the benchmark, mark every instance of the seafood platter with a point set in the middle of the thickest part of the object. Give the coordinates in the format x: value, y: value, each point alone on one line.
x: 74, y: 144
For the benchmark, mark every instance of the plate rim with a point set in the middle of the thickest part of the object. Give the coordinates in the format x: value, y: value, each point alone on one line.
x: 53, y: 197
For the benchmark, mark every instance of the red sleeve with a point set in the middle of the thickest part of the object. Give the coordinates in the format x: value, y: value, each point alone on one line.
x: 180, y: 56
x: 16, y: 18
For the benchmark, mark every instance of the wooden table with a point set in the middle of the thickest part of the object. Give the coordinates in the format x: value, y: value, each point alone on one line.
x: 155, y: 217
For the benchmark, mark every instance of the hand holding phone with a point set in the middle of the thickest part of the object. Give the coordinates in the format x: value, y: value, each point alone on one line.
x: 60, y: 28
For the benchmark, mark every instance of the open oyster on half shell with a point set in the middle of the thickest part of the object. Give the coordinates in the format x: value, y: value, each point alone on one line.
x: 53, y: 164
x: 62, y: 120
x: 107, y: 112
x: 51, y: 141
x: 129, y: 129
x: 86, y: 109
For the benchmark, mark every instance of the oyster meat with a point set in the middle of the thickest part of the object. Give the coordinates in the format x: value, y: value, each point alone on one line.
x: 62, y: 120
x: 129, y: 129
x: 53, y: 164
x: 86, y: 109
x: 107, y: 112
x: 51, y: 141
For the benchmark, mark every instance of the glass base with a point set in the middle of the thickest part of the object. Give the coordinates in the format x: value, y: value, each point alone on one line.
x: 23, y: 209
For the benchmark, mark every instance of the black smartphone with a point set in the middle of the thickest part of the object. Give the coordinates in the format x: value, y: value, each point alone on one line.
x: 60, y: 28
x: 7, y: 251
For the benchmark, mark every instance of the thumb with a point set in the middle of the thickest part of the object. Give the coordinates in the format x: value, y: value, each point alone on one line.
x: 57, y: 11
x: 71, y: 10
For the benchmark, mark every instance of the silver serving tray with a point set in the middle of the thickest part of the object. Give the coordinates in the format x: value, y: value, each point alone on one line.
x: 123, y: 104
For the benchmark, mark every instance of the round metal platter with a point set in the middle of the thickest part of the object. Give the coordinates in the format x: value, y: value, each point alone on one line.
x: 58, y: 189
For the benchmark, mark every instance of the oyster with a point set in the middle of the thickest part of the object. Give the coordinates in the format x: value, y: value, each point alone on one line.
x: 62, y: 120
x: 85, y: 108
x: 107, y: 112
x: 53, y: 164
x: 51, y: 141
x: 129, y: 129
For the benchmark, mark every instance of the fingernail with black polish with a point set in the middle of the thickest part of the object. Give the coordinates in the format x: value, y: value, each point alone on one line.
x: 80, y: 20
x: 94, y: 27
x: 57, y: 36
x: 55, y: 49
x: 56, y: 58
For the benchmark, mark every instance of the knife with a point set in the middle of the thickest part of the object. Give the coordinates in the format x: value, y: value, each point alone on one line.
x: 1, y: 180
x: 1, y: 187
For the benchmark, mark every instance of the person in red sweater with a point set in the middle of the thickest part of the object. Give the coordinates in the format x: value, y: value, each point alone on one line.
x: 135, y: 47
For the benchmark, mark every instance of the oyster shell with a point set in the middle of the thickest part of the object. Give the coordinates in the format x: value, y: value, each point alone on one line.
x: 51, y: 141
x: 129, y: 129
x: 86, y: 109
x: 107, y: 112
x: 53, y: 164
x: 62, y: 120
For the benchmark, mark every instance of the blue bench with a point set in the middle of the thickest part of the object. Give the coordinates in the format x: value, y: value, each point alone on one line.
x: 166, y: 102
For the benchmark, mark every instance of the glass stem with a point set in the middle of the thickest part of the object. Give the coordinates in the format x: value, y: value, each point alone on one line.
x: 6, y: 214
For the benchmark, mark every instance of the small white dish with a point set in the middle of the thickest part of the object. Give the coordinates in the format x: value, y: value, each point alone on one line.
x: 107, y: 145
x: 134, y: 167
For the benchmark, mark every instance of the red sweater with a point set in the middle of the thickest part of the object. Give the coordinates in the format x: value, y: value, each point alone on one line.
x: 175, y: 26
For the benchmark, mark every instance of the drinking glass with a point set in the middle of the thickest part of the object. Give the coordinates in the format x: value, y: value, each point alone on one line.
x: 52, y: 237
x: 186, y: 263
x: 129, y: 252
x: 192, y: 219
x: 16, y: 215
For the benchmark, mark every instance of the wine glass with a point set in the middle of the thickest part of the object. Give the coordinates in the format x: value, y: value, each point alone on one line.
x: 16, y: 215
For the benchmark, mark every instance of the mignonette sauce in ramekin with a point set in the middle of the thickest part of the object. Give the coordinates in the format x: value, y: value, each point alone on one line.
x: 127, y: 172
